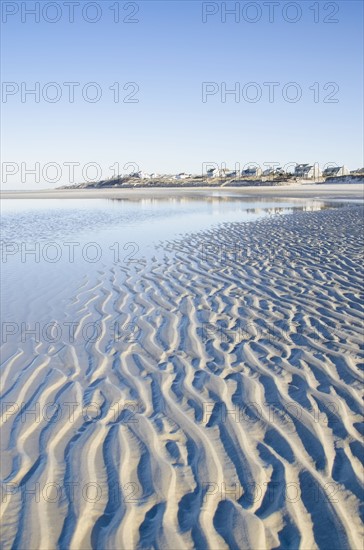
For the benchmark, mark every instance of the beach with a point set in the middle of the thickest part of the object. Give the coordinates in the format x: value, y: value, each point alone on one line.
x: 182, y: 275
x: 207, y: 395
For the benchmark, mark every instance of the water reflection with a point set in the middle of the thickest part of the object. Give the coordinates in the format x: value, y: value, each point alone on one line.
x: 143, y: 219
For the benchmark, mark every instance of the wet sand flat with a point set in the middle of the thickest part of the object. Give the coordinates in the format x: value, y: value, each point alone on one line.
x: 219, y: 405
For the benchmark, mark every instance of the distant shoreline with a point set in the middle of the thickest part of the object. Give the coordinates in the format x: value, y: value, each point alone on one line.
x: 352, y: 191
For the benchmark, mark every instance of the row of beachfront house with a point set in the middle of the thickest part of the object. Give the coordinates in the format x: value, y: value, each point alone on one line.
x: 302, y: 171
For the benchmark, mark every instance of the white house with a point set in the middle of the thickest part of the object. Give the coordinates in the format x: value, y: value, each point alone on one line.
x: 273, y: 172
x: 336, y: 171
x: 140, y: 175
x: 218, y: 173
x: 307, y: 171
x: 252, y: 172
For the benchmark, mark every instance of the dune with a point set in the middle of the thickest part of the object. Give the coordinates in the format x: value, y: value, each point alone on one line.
x: 220, y: 405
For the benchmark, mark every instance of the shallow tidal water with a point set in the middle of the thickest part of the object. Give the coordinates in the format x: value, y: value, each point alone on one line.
x: 55, y: 243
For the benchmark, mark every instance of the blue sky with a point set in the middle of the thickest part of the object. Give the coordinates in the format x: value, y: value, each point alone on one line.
x: 169, y: 53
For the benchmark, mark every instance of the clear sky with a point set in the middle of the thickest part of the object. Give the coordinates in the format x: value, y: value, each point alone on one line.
x: 168, y: 50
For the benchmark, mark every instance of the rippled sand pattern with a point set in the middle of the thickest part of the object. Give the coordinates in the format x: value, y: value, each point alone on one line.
x: 224, y: 411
